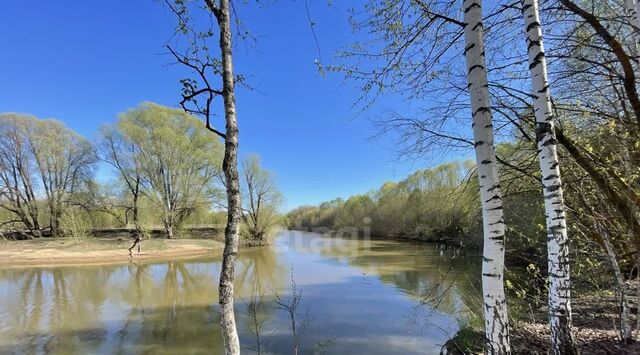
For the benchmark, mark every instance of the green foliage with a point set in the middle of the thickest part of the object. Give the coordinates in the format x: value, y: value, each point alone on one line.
x: 75, y: 225
x: 204, y: 216
x: 261, y: 200
x: 178, y: 157
x: 41, y: 160
x: 430, y: 204
x: 468, y: 340
x: 166, y: 161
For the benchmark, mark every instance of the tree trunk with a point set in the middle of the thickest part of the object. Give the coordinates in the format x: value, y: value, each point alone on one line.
x: 35, y: 223
x: 557, y: 239
x: 29, y: 222
x: 230, y: 168
x: 628, y: 76
x: 55, y: 222
x: 637, y: 266
x: 625, y: 322
x: 37, y: 233
x: 32, y: 225
x: 135, y: 213
x: 636, y: 23
x: 36, y: 226
x: 495, y: 305
x: 168, y: 228
x: 136, y: 221
x: 634, y: 19
x: 623, y: 204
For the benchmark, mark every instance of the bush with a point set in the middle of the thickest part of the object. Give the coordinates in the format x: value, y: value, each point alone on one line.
x: 75, y: 225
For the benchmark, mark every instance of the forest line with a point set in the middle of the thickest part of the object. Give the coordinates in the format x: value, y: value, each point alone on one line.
x: 165, y: 170
x: 553, y: 120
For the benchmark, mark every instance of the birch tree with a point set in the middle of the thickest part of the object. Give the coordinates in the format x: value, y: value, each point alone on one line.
x: 625, y: 322
x: 557, y: 238
x: 232, y: 180
x: 594, y: 92
x: 495, y: 303
x: 214, y: 77
x: 414, y: 49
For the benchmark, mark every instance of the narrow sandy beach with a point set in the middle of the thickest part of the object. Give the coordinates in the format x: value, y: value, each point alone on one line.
x: 69, y: 251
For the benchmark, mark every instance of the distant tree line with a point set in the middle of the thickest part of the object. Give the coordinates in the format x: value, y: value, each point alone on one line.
x: 431, y: 204
x: 166, y: 171
x: 567, y: 106
x: 442, y: 204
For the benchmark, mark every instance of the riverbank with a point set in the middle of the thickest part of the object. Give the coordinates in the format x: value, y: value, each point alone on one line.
x: 70, y: 251
x: 187, y: 232
x: 595, y: 321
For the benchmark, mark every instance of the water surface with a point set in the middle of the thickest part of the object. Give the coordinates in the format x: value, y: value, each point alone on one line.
x: 357, y: 296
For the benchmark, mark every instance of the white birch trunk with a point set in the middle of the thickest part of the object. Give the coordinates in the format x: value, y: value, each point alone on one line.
x: 557, y: 240
x: 632, y: 7
x: 495, y: 305
x: 625, y: 323
x: 230, y: 168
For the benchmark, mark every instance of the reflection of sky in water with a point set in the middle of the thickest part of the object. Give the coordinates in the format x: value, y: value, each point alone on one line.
x: 309, y: 268
x: 359, y: 293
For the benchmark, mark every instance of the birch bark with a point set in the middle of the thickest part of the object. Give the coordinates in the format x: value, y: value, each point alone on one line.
x: 495, y: 306
x: 625, y: 324
x: 557, y: 239
x: 632, y: 7
x: 230, y: 168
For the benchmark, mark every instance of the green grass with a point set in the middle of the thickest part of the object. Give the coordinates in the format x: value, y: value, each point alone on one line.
x: 468, y: 340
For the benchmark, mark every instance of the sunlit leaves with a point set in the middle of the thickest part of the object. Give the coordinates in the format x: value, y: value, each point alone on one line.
x: 178, y: 157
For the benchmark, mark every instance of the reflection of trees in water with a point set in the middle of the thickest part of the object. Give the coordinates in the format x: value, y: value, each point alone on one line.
x: 49, y: 313
x: 439, y: 279
x: 164, y: 307
x: 433, y: 274
x: 169, y: 309
x: 172, y: 307
x: 27, y: 308
x: 260, y: 265
x: 259, y: 272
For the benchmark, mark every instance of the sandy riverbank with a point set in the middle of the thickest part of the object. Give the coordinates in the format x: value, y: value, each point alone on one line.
x: 68, y: 251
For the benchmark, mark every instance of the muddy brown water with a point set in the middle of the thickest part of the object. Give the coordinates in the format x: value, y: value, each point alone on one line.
x: 358, y: 296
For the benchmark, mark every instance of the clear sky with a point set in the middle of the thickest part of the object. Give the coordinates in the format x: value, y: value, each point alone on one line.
x: 83, y: 62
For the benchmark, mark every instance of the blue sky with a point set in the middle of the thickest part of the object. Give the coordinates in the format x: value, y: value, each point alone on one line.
x: 83, y: 62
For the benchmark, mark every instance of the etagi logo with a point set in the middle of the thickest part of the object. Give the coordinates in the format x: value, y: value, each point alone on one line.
x: 340, y: 240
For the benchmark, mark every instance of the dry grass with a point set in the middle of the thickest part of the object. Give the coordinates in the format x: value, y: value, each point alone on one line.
x: 595, y: 322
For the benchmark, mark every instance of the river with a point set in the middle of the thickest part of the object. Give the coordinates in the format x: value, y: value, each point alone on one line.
x: 357, y: 296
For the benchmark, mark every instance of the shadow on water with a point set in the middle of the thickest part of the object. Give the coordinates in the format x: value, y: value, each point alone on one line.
x: 367, y: 296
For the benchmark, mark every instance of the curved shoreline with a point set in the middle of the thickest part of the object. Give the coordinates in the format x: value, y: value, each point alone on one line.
x: 43, y: 253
